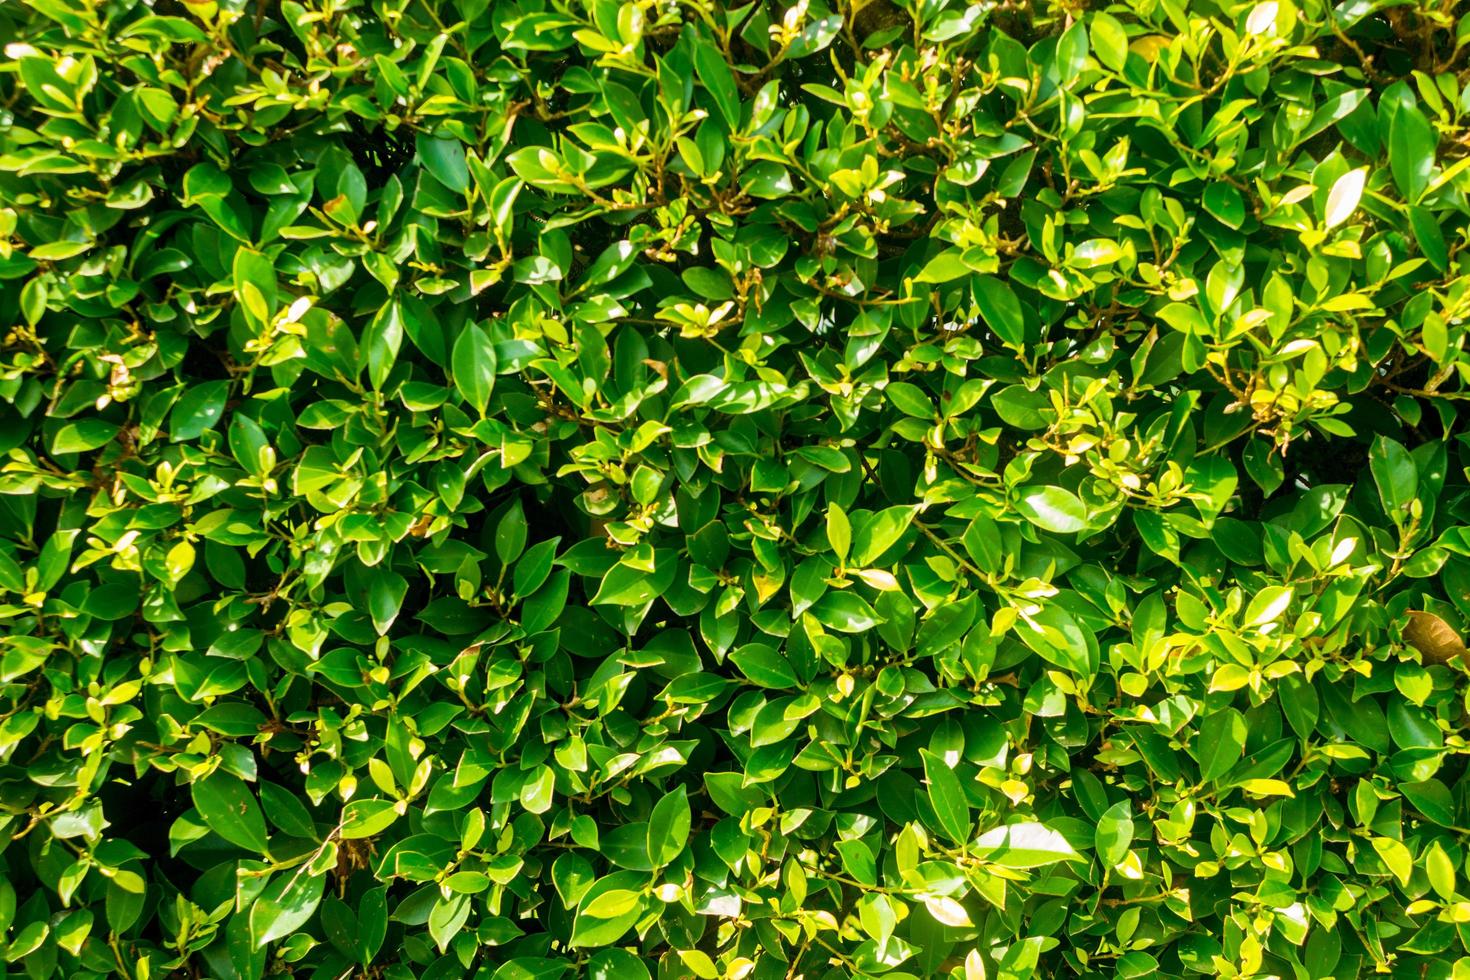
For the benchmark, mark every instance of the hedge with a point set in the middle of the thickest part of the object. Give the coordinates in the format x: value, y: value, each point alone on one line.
x: 568, y: 488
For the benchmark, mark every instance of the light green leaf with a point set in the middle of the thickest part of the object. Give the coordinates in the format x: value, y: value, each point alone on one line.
x: 609, y: 909
x: 839, y: 532
x: 1052, y: 508
x: 287, y: 904
x: 367, y: 818
x: 1343, y: 199
x: 1109, y: 41
x: 668, y: 826
x: 1023, y: 845
x: 879, y: 532
x: 1398, y: 858
x: 1268, y: 605
x: 538, y: 790
x: 1115, y: 834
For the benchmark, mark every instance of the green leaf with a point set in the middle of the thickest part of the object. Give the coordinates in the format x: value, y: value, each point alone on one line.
x: 947, y: 911
x: 947, y: 797
x: 1220, y: 743
x: 287, y: 904
x: 608, y: 909
x: 285, y: 810
x: 1052, y: 508
x: 1023, y: 845
x: 716, y: 76
x: 533, y: 565
x: 381, y: 343
x: 857, y: 861
x: 1109, y: 41
x: 879, y: 532
x: 767, y: 180
x: 945, y: 267
x: 179, y: 560
x: 616, y: 259
x: 1343, y: 199
x: 33, y: 301
x: 367, y: 818
x: 255, y: 284
x: 1430, y: 236
x: 531, y: 968
x: 538, y: 790
x: 205, y: 180
x: 340, y: 925
x: 668, y: 826
x: 1115, y: 834
x: 474, y: 364
x: 1018, y: 406
x: 1395, y: 474
x: 385, y: 598
x: 616, y: 964
x: 1441, y: 871
x: 1431, y: 798
x: 611, y: 904
x: 83, y: 436
x: 744, y: 452
x: 1268, y: 605
x: 1056, y: 635
x: 447, y: 917
x: 624, y: 585
x: 572, y: 875
x: 198, y: 410
x: 1396, y: 856
x: 845, y: 612
x: 445, y: 159
x: 982, y: 541
x: 809, y: 583
x: 1411, y: 150
x: 1001, y: 309
x: 229, y: 809
x: 1071, y: 52
x: 765, y: 666
x: 1224, y: 202
x: 510, y: 534
x: 839, y: 532
x: 910, y: 399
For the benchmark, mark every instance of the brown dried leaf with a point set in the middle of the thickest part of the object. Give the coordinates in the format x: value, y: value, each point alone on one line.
x: 1435, y: 639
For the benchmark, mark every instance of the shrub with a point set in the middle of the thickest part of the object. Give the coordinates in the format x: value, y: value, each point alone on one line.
x: 538, y: 489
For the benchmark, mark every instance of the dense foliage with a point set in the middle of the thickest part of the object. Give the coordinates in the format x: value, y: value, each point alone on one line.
x: 549, y: 488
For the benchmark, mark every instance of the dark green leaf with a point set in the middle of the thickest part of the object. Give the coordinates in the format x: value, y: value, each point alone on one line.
x: 230, y: 810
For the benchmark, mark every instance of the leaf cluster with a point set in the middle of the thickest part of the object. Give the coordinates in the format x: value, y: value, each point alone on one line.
x: 550, y: 488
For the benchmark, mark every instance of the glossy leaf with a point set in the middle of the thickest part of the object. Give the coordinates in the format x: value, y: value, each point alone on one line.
x: 229, y: 809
